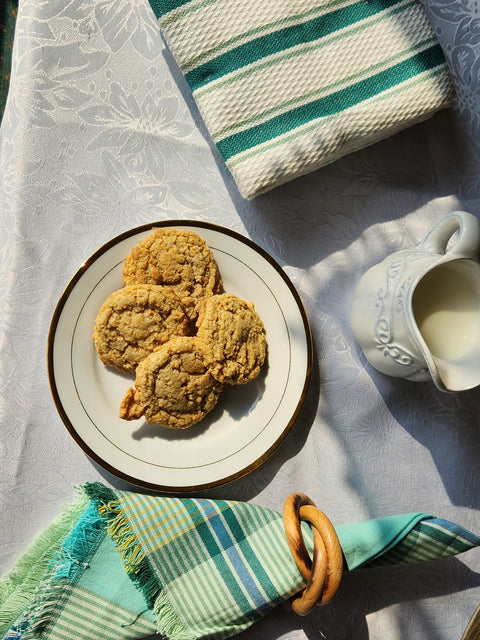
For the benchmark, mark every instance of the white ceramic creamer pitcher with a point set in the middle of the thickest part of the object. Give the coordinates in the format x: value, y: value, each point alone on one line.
x: 416, y: 315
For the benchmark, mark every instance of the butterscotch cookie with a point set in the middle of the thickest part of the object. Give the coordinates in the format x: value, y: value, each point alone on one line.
x: 173, y: 388
x: 136, y: 320
x: 232, y: 337
x: 178, y: 258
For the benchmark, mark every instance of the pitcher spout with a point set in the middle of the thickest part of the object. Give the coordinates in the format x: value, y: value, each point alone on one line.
x: 455, y: 376
x: 416, y: 314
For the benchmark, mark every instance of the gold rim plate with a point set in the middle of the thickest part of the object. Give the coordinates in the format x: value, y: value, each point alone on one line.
x: 249, y: 421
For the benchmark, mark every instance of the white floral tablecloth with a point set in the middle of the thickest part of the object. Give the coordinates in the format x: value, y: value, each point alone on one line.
x: 101, y: 135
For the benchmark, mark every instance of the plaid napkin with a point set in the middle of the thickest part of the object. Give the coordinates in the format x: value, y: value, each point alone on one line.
x: 286, y: 87
x: 118, y: 565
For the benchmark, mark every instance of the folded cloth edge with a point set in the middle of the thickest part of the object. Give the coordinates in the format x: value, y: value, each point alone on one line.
x: 265, y: 144
x: 373, y: 538
x: 135, y: 562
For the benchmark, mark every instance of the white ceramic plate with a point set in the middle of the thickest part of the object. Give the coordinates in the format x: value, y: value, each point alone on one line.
x: 249, y: 421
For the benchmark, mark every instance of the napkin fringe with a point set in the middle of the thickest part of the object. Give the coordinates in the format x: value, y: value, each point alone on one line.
x: 167, y: 619
x: 17, y: 587
x: 65, y: 568
x: 119, y: 528
x: 79, y: 546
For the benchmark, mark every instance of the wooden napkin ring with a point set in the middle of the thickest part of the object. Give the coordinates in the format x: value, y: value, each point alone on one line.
x: 323, y: 573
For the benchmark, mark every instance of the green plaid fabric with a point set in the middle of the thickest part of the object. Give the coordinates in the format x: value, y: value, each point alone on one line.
x: 430, y: 539
x: 286, y: 87
x: 123, y: 565
x: 217, y: 562
x: 84, y: 592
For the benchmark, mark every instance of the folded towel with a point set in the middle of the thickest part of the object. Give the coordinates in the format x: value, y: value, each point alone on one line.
x: 286, y: 87
x: 120, y: 565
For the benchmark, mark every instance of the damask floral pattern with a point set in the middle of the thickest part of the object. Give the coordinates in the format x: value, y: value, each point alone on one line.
x: 457, y: 26
x: 101, y: 135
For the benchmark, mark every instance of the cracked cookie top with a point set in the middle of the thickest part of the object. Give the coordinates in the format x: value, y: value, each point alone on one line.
x: 136, y: 320
x: 232, y: 337
x: 178, y: 258
x: 173, y: 388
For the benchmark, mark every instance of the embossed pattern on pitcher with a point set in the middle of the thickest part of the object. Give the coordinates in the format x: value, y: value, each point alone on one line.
x: 391, y: 301
x: 394, y: 297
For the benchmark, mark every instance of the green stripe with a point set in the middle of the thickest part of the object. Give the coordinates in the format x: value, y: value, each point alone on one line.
x: 445, y: 537
x: 326, y: 89
x: 294, y: 19
x: 85, y: 614
x: 172, y: 516
x: 257, y: 570
x: 224, y: 569
x: 331, y: 104
x: 190, y: 7
x: 161, y: 7
x: 282, y: 39
x: 426, y: 542
x: 19, y: 584
x: 298, y: 133
x: 308, y: 48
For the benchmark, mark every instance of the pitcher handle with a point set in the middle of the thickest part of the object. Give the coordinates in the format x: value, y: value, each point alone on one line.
x: 468, y: 241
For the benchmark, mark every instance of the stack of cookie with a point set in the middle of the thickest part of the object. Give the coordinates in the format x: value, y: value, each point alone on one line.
x: 174, y: 326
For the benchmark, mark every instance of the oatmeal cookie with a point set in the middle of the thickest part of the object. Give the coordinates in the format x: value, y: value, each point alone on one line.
x: 173, y: 388
x: 232, y: 337
x: 178, y: 258
x: 136, y: 320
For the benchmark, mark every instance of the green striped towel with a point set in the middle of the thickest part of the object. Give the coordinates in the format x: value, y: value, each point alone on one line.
x: 286, y: 87
x: 118, y: 565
